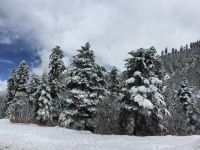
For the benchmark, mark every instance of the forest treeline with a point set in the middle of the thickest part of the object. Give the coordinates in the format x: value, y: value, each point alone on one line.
x: 155, y: 95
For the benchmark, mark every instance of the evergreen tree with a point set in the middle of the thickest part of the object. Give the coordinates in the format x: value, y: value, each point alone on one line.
x: 86, y: 89
x: 114, y: 81
x: 185, y: 95
x: 181, y: 48
x: 21, y: 97
x: 34, y: 83
x: 57, y: 67
x: 188, y: 107
x: 34, y: 93
x: 143, y: 88
x: 173, y: 50
x: 166, y: 51
x: 44, y: 112
x: 56, y: 64
x: 23, y: 75
x: 11, y: 89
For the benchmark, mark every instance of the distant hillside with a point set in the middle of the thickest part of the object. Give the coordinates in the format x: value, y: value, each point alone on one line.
x: 183, y: 63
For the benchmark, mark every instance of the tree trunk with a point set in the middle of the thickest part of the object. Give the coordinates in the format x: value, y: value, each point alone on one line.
x: 136, y: 123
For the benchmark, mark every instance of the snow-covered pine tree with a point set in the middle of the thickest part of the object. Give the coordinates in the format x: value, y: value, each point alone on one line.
x: 34, y: 93
x: 56, y: 64
x: 44, y: 112
x: 86, y: 89
x: 21, y: 98
x: 11, y: 89
x: 34, y: 83
x: 56, y: 67
x: 22, y: 74
x: 185, y: 95
x: 114, y: 81
x: 188, y: 107
x: 12, y: 84
x: 143, y: 93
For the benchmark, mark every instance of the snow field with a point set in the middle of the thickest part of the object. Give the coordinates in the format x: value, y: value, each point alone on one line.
x: 33, y: 137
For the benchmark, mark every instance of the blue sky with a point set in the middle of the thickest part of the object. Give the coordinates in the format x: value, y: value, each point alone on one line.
x: 11, y: 54
x: 29, y: 29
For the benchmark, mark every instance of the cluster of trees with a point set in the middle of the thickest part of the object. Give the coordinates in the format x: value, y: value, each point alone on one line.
x: 85, y: 96
x: 195, y: 44
x: 182, y: 76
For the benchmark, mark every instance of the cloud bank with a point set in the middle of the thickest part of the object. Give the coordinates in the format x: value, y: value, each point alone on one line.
x: 113, y: 27
x: 3, y: 86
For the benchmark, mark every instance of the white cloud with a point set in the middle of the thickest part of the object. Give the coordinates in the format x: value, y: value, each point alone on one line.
x: 5, y: 40
x: 6, y: 61
x: 3, y: 87
x: 113, y: 27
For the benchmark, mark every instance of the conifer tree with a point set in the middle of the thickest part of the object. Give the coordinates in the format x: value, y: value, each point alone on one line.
x: 86, y: 89
x: 56, y: 64
x: 143, y: 93
x: 56, y: 67
x: 34, y: 93
x: 34, y: 83
x: 181, y: 48
x: 21, y: 98
x: 44, y: 112
x: 11, y: 89
x: 23, y: 75
x: 114, y: 81
x: 166, y: 51
x: 188, y: 107
x: 185, y: 95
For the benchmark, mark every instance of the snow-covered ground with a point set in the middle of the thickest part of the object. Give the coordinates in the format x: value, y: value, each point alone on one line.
x: 33, y: 137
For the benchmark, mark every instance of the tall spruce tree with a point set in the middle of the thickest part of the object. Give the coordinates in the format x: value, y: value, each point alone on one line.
x: 56, y: 67
x: 86, y: 89
x: 143, y: 102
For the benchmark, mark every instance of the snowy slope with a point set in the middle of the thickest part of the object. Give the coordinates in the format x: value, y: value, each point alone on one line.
x: 32, y: 137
